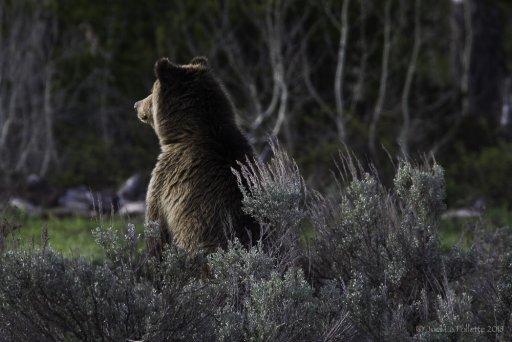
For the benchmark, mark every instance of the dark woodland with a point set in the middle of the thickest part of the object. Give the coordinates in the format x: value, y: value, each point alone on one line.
x: 399, y: 78
x: 394, y: 122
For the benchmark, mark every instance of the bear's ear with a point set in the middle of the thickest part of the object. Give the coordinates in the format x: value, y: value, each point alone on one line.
x: 165, y: 69
x: 200, y: 61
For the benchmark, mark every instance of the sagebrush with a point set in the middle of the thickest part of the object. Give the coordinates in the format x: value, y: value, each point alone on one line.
x: 360, y: 264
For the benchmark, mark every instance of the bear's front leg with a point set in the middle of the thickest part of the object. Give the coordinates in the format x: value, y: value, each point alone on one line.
x: 157, y: 232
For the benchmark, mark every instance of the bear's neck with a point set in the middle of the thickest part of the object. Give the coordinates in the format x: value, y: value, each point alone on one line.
x: 202, y: 129
x: 220, y: 140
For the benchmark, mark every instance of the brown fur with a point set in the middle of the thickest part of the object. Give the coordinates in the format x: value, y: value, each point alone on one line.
x: 193, y: 193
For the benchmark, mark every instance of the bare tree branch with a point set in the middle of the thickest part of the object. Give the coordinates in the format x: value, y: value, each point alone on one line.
x: 359, y: 87
x: 403, y: 138
x: 383, y: 79
x: 340, y: 66
x: 464, y: 79
x: 27, y: 102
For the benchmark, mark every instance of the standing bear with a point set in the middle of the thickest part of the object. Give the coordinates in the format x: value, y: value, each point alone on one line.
x: 193, y: 194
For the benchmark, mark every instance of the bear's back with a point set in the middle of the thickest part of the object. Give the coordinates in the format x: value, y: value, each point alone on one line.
x: 199, y: 195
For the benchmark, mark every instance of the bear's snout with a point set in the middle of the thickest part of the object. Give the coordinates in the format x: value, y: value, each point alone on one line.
x: 142, y: 110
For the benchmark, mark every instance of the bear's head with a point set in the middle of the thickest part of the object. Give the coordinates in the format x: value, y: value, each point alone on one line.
x: 184, y: 98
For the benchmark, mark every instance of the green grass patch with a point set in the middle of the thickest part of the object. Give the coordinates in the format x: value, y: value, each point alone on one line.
x: 71, y: 236
x: 499, y: 216
x: 461, y: 231
x: 458, y: 232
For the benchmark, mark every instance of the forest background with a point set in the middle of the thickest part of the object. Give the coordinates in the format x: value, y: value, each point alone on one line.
x: 387, y: 79
x: 384, y: 78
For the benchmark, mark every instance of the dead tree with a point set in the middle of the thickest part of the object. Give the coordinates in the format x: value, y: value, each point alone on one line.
x: 27, y: 103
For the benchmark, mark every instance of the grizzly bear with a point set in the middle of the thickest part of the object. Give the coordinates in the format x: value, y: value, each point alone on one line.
x: 193, y: 194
